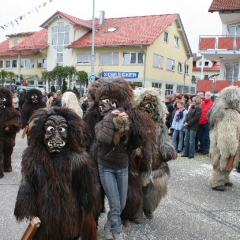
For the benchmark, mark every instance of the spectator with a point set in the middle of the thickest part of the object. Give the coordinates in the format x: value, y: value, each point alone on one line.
x: 22, y: 98
x: 44, y: 97
x: 15, y: 101
x: 185, y: 98
x: 56, y: 101
x: 178, y: 126
x: 203, y: 132
x: 192, y: 125
x: 84, y: 104
x: 170, y: 108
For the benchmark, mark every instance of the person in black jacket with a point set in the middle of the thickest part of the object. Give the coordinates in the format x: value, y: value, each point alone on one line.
x: 192, y: 125
x: 56, y: 101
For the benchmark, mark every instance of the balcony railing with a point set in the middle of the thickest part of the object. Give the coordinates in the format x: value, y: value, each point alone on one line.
x: 219, y: 42
x: 215, y: 86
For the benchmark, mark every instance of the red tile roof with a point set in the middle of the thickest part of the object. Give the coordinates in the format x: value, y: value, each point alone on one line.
x: 36, y: 41
x: 5, y: 50
x: 224, y: 5
x: 140, y: 30
x: 69, y: 17
x: 21, y: 34
x: 215, y: 66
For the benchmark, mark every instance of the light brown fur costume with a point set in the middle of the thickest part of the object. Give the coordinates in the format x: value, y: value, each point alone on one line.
x: 224, y: 121
x: 153, y: 168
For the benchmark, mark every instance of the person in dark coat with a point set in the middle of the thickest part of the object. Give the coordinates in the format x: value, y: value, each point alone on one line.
x: 192, y: 125
x: 56, y: 101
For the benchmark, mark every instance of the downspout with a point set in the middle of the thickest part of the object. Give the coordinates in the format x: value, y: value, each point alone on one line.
x: 19, y: 66
x: 144, y: 67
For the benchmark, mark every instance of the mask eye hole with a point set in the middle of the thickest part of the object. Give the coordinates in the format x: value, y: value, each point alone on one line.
x: 50, y: 129
x: 61, y: 129
x: 114, y: 104
x: 105, y: 100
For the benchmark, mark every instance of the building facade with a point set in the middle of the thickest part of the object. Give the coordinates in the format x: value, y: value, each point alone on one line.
x: 224, y: 47
x: 145, y: 50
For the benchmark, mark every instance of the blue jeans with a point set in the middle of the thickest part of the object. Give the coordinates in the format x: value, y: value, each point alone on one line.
x: 178, y: 144
x: 189, y: 143
x: 204, y: 137
x: 115, y: 185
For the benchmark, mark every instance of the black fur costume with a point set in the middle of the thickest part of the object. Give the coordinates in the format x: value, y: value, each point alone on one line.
x: 9, y: 126
x: 142, y: 133
x: 61, y: 188
x: 29, y: 106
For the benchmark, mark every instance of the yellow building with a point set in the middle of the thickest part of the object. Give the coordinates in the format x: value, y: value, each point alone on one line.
x: 145, y: 50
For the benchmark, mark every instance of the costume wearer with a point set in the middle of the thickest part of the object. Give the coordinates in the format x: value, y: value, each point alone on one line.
x: 153, y: 158
x: 192, y: 125
x: 119, y: 131
x: 178, y: 126
x: 224, y: 121
x: 32, y: 103
x: 60, y: 182
x: 9, y: 126
x: 203, y: 132
x: 70, y: 100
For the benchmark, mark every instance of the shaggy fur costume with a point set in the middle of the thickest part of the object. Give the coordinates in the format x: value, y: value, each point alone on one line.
x: 9, y: 126
x: 62, y: 189
x: 70, y: 100
x: 153, y: 167
x: 29, y: 107
x: 224, y: 121
x: 142, y: 132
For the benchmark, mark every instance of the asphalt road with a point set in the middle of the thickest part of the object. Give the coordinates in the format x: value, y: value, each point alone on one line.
x: 191, y: 210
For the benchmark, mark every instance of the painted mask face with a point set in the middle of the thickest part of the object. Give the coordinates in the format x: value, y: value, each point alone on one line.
x: 3, y: 101
x: 34, y: 98
x: 149, y: 105
x: 107, y: 104
x: 55, y: 135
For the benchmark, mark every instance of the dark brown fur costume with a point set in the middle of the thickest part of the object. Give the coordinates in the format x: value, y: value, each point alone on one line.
x: 28, y: 107
x: 9, y: 126
x: 142, y: 132
x: 62, y: 189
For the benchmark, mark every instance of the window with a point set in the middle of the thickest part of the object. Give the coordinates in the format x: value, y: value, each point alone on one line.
x: 83, y: 59
x: 165, y: 36
x: 169, y: 89
x: 109, y: 58
x: 186, y: 89
x: 11, y: 63
x: 176, y: 41
x: 231, y: 71
x: 186, y: 68
x: 42, y: 63
x: 170, y: 64
x: 206, y: 64
x: 60, y: 38
x: 113, y: 29
x: 27, y: 63
x: 205, y: 77
x: 157, y: 61
x: 179, y: 88
x: 180, y: 67
x: 192, y: 90
x: 156, y: 85
x: 15, y: 42
x: 1, y: 63
x: 133, y: 58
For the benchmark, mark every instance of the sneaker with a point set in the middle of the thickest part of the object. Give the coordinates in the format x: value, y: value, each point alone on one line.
x: 107, y: 234
x: 219, y: 188
x: 228, y: 184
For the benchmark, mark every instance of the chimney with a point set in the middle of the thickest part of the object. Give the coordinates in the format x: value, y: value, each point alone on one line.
x: 101, y: 17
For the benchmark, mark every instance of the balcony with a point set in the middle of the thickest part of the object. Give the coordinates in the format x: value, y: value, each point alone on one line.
x: 220, y: 47
x: 215, y: 86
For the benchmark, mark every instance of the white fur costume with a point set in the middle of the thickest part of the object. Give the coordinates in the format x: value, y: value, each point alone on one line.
x: 69, y: 100
x: 224, y: 121
x: 154, y: 169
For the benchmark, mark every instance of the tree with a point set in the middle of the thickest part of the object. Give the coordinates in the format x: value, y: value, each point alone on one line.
x: 60, y: 73
x: 82, y: 76
x: 194, y: 79
x: 53, y: 89
x: 71, y: 71
x: 76, y: 92
x: 64, y: 87
x: 3, y: 75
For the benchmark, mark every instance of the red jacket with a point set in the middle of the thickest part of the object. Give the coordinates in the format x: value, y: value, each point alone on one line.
x: 206, y: 105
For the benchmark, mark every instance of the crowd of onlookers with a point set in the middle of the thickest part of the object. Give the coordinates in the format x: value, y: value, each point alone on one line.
x: 187, y: 122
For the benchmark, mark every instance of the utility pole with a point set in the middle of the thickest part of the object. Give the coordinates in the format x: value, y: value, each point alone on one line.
x: 93, y: 38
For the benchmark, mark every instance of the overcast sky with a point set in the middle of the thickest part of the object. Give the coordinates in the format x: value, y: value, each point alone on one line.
x: 194, y: 14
